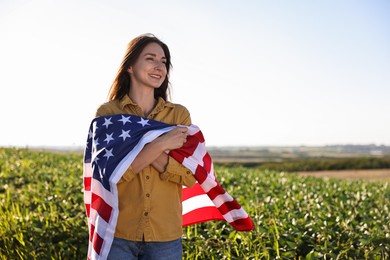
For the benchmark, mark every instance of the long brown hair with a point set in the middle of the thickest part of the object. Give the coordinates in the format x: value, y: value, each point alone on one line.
x: 122, y: 83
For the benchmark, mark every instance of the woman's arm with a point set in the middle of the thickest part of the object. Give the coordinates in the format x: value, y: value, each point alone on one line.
x: 177, y: 173
x: 153, y: 153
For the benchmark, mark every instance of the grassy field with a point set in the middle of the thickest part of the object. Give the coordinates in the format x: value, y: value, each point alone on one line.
x: 369, y: 175
x: 296, y: 217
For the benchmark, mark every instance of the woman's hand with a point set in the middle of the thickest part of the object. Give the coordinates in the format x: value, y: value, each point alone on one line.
x: 173, y: 139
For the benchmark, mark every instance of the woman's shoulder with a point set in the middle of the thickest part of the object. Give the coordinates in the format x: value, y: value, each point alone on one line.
x: 107, y: 108
x: 179, y: 107
x: 181, y: 112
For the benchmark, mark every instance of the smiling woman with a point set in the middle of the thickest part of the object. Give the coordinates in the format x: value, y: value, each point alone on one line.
x: 151, y: 52
x: 149, y: 192
x: 148, y: 72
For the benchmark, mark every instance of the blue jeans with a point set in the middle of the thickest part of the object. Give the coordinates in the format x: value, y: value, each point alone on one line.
x: 125, y: 249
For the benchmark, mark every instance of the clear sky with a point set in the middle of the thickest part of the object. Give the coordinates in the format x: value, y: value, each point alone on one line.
x: 251, y: 73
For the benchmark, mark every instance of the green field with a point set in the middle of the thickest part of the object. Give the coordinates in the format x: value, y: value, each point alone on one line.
x: 42, y: 214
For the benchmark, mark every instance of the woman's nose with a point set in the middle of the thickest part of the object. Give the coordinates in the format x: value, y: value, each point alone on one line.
x: 159, y: 65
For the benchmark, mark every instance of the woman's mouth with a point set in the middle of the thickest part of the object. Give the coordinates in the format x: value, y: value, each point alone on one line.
x: 156, y: 76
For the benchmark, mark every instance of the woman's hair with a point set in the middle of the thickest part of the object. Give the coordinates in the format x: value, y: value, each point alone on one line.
x: 122, y: 83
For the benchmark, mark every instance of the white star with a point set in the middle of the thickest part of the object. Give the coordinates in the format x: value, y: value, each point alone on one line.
x: 108, y: 138
x: 143, y: 122
x: 96, y: 142
x: 107, y: 122
x: 90, y: 134
x: 108, y: 153
x: 125, y: 134
x: 95, y: 159
x: 125, y: 119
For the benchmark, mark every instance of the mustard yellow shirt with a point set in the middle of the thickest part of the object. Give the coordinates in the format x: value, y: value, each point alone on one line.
x: 150, y: 206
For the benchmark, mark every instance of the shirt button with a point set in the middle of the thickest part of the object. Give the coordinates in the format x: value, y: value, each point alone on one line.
x: 147, y: 177
x: 146, y: 213
x: 147, y: 195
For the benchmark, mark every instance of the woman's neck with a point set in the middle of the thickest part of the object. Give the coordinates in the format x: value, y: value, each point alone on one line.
x: 144, y: 99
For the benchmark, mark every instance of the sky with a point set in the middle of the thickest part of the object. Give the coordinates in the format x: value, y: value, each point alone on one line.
x: 251, y: 73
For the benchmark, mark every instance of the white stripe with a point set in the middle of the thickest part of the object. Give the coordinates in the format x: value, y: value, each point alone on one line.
x: 221, y: 199
x: 235, y: 214
x: 93, y: 254
x: 190, y: 164
x: 199, y: 153
x: 87, y: 170
x: 98, y: 222
x: 98, y: 189
x: 208, y: 184
x: 196, y: 202
x: 211, y: 173
x: 196, y: 158
x: 87, y: 197
x: 192, y: 129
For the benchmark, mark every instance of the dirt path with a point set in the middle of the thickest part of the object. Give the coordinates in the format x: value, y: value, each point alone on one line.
x: 373, y: 175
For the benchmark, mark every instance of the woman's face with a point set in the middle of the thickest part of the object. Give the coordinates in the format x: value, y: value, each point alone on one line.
x: 149, y: 70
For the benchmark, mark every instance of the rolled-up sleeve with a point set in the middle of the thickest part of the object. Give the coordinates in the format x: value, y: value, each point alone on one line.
x: 128, y: 175
x: 177, y: 173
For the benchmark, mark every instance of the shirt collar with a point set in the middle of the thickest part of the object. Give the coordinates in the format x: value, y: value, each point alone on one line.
x: 161, y: 103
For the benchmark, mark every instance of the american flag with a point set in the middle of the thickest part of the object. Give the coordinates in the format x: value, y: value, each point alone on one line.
x: 113, y: 143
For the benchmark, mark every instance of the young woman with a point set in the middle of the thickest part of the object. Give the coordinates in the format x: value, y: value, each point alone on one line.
x: 149, y: 224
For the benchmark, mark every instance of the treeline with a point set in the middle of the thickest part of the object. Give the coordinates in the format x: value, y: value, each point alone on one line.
x: 318, y: 164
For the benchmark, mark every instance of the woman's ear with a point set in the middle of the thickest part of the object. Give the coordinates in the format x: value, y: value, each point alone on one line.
x: 130, y: 70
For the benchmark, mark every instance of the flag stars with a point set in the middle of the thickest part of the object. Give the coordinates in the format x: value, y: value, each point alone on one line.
x: 90, y: 134
x: 95, y: 158
x: 109, y: 138
x: 143, y: 122
x: 125, y: 119
x: 108, y: 153
x: 125, y: 134
x: 95, y: 144
x: 107, y: 122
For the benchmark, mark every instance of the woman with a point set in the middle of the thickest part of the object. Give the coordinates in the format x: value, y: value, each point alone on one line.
x: 149, y: 224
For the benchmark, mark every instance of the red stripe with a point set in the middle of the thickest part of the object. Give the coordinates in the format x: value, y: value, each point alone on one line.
x: 187, y: 149
x: 88, y: 209
x: 97, y: 241
x: 207, y: 162
x: 87, y: 183
x: 199, y: 136
x: 102, y: 208
x: 244, y: 224
x: 200, y: 174
x: 228, y: 206
x: 215, y: 191
x: 201, y: 215
x: 91, y: 232
x: 177, y: 156
x: 193, y: 191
